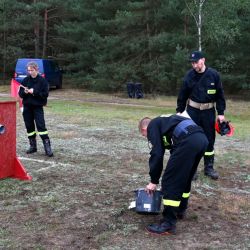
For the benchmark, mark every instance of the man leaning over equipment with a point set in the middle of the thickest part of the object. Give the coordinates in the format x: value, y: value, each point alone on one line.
x: 187, y: 144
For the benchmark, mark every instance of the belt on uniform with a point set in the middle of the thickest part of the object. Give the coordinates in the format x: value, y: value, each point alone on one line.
x: 200, y: 106
x: 183, y: 129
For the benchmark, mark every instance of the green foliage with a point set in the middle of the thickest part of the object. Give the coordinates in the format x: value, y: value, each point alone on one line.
x: 102, y: 44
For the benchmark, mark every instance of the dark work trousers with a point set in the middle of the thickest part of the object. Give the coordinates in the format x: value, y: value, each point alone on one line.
x: 206, y: 120
x: 181, y: 167
x: 34, y: 115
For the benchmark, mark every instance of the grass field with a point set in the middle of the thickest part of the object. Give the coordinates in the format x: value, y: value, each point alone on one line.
x: 79, y: 198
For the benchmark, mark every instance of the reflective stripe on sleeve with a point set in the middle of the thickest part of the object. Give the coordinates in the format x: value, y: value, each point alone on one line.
x: 165, y: 142
x: 211, y: 91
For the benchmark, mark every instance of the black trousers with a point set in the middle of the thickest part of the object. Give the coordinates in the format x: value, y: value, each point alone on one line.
x: 206, y: 120
x: 34, y: 118
x: 181, y: 167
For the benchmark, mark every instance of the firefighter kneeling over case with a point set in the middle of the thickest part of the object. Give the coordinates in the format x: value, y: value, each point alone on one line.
x: 187, y: 144
x: 34, y: 91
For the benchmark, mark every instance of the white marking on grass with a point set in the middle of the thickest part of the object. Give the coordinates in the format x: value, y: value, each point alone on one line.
x: 51, y: 163
x: 229, y: 190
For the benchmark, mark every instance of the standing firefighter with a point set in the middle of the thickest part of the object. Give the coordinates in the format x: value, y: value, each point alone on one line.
x: 187, y: 144
x: 201, y: 89
x: 34, y: 93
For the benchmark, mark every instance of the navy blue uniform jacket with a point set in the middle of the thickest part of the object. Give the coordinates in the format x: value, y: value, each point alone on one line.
x: 40, y: 94
x: 159, y: 134
x: 209, y: 90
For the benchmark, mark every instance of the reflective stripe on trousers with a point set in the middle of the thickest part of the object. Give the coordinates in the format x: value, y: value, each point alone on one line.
x: 173, y: 203
x: 207, y: 153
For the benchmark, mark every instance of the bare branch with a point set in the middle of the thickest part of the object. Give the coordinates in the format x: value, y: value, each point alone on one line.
x: 195, y: 18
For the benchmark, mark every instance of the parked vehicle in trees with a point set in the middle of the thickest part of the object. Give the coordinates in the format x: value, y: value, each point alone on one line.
x: 48, y: 69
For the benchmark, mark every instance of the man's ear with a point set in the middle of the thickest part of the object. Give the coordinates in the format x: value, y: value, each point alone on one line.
x: 144, y: 131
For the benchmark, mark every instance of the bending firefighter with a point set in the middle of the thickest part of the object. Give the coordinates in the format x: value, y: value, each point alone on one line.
x: 34, y: 92
x: 187, y: 144
x: 201, y: 90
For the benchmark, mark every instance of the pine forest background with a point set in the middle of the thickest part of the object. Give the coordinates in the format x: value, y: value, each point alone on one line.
x: 102, y: 44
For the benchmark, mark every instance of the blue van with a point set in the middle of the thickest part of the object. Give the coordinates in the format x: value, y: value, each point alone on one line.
x: 48, y: 69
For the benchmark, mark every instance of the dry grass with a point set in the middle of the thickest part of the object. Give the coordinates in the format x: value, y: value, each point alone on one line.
x: 233, y: 204
x: 79, y: 198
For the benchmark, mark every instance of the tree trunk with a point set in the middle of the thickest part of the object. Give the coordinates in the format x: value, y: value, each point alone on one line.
x: 199, y: 24
x: 186, y: 19
x: 148, y: 32
x: 197, y: 17
x: 4, y: 45
x: 36, y: 33
x: 45, y: 30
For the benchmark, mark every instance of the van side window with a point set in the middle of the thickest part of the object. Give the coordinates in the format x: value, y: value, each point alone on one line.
x: 56, y: 66
x: 53, y: 66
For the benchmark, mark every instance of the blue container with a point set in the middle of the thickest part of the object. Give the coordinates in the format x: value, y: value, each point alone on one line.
x: 131, y: 89
x: 148, y: 203
x: 138, y: 90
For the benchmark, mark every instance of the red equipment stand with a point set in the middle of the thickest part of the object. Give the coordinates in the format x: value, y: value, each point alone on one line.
x: 14, y: 88
x: 10, y: 166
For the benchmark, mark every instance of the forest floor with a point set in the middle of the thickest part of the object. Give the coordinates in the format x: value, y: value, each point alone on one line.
x: 79, y: 198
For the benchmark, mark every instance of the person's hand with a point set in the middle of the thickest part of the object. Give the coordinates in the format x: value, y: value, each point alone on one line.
x: 26, y: 90
x: 31, y: 91
x: 221, y: 118
x: 150, y: 188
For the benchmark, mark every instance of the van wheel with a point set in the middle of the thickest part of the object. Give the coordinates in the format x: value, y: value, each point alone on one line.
x: 59, y: 86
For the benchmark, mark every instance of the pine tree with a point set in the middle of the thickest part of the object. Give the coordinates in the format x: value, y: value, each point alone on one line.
x: 144, y: 41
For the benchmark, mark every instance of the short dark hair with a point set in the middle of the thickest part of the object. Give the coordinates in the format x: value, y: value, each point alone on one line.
x: 143, y: 123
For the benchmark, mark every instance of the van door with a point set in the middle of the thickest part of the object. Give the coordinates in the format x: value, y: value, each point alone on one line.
x: 52, y: 73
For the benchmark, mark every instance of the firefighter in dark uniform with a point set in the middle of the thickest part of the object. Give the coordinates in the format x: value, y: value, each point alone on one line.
x: 187, y: 144
x: 201, y: 90
x: 34, y: 92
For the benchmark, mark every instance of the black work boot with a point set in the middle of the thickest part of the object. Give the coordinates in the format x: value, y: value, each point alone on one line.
x: 47, y: 147
x: 209, y: 171
x: 208, y: 167
x: 181, y: 215
x: 181, y: 210
x: 167, y: 224
x: 33, y: 147
x: 163, y: 228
